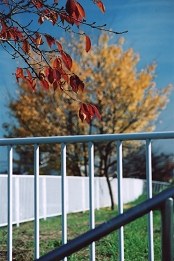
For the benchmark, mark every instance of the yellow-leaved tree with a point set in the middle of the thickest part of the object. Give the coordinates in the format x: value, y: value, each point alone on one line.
x: 127, y: 98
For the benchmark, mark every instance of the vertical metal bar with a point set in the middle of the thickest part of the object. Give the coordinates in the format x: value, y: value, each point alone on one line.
x: 64, y: 195
x: 10, y: 191
x: 36, y: 201
x: 167, y: 241
x: 149, y: 195
x: 91, y: 195
x: 120, y: 197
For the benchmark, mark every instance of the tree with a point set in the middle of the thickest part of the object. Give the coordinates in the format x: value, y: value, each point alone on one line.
x: 22, y: 38
x: 128, y: 100
x: 162, y: 165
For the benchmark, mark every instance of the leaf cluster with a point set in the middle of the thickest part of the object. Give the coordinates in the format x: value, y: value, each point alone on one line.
x: 26, y: 40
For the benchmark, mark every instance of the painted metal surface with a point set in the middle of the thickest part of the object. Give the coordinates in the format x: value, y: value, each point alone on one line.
x: 149, y: 194
x: 36, y: 201
x: 90, y: 139
x: 91, y: 196
x: 120, y: 196
x: 64, y: 194
x: 119, y: 221
x: 10, y: 202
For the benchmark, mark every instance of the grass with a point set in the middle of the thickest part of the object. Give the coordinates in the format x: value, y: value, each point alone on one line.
x: 135, y: 233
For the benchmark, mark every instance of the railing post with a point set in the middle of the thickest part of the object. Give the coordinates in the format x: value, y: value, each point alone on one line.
x: 120, y: 197
x: 167, y: 241
x: 36, y: 201
x: 10, y: 199
x: 149, y: 195
x: 64, y: 195
x: 91, y: 196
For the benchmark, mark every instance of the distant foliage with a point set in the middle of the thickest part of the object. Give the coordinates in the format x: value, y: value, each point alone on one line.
x: 128, y: 99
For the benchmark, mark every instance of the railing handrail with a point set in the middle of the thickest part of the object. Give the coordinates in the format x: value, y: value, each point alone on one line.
x: 109, y: 226
x: 87, y: 138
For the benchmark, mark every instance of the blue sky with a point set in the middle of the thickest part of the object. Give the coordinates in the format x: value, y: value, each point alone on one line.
x: 150, y: 26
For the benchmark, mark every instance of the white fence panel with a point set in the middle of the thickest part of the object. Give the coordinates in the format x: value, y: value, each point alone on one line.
x: 50, y: 195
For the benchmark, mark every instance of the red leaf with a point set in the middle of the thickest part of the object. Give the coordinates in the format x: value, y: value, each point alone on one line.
x: 100, y: 5
x: 88, y: 111
x: 59, y: 46
x: 88, y: 43
x: 76, y: 83
x: 45, y: 84
x: 38, y: 39
x: 41, y: 76
x: 65, y: 17
x: 56, y: 75
x: 41, y: 19
x: 64, y: 75
x: 38, y: 3
x: 57, y: 63
x: 19, y: 74
x: 29, y: 74
x: 70, y: 6
x: 66, y: 59
x: 50, y: 76
x: 13, y: 33
x: 50, y: 40
x: 55, y: 85
x: 26, y: 46
x: 80, y: 9
x: 84, y: 113
x: 95, y: 111
x: 54, y: 17
x: 31, y: 83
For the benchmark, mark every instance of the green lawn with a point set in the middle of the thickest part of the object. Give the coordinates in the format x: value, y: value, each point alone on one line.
x: 136, y: 248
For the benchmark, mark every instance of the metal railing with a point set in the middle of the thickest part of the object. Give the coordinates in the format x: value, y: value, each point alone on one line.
x: 90, y: 139
x: 163, y: 202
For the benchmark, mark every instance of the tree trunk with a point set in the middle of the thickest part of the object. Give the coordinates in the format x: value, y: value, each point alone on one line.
x: 110, y: 190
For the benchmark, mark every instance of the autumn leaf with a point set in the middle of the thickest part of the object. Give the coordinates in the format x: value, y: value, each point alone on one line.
x: 26, y: 46
x: 50, y: 75
x: 59, y: 46
x: 93, y: 109
x: 50, y: 40
x: 88, y: 111
x: 76, y: 83
x: 84, y: 114
x: 57, y: 63
x: 80, y: 9
x: 38, y: 3
x: 38, y: 39
x: 66, y: 59
x: 88, y: 43
x: 100, y: 5
x: 41, y: 19
x: 29, y: 74
x: 44, y: 84
x: 64, y: 75
x: 31, y: 83
x: 56, y: 74
x: 70, y: 6
x: 19, y: 74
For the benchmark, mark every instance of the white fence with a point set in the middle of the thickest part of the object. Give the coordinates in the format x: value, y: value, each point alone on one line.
x: 50, y: 195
